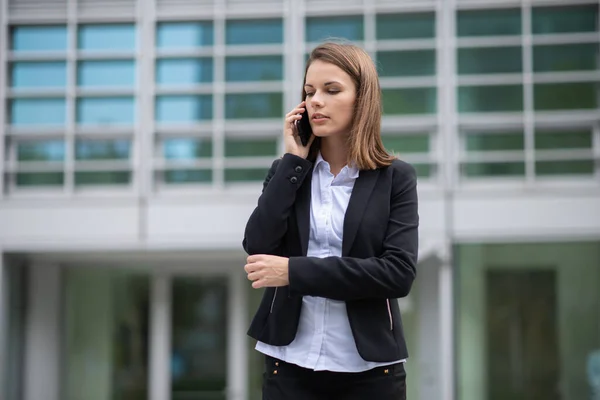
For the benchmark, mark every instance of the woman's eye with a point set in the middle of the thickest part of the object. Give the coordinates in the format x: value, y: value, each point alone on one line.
x: 309, y: 94
x: 333, y: 91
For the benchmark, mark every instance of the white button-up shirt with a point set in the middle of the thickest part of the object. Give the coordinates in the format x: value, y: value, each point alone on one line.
x: 324, y: 338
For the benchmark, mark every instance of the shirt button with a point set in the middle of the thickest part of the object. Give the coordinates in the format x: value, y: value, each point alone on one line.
x: 298, y: 169
x: 293, y: 179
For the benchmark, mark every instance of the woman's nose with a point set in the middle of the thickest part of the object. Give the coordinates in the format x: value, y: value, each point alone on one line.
x: 316, y: 100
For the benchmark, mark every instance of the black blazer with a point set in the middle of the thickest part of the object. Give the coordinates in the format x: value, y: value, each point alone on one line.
x: 379, y: 254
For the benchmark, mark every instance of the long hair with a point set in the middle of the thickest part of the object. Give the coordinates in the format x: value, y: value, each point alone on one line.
x: 366, y: 149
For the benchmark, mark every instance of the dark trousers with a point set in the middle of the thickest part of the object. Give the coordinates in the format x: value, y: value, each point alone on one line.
x: 283, y: 381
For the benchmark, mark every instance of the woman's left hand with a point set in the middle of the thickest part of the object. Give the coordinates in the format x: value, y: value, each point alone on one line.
x: 267, y: 271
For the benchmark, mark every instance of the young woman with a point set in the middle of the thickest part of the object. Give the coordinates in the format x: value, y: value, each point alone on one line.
x: 334, y: 241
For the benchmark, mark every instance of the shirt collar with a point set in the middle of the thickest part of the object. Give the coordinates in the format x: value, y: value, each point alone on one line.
x: 352, y: 171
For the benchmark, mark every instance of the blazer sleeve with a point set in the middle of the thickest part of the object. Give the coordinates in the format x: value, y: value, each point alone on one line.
x: 268, y: 224
x: 389, y: 275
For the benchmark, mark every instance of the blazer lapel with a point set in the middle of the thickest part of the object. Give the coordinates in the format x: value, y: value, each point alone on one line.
x: 361, y: 193
x: 302, y: 206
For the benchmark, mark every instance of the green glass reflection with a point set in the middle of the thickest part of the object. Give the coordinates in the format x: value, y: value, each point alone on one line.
x: 184, y: 108
x: 553, y: 140
x: 565, y: 96
x: 102, y: 149
x: 187, y: 148
x: 489, y: 169
x: 495, y: 141
x: 494, y: 22
x: 565, y: 19
x: 569, y: 167
x: 253, y: 105
x: 405, y: 26
x: 423, y: 170
x: 39, y: 179
x: 51, y: 150
x: 566, y: 57
x: 489, y: 60
x: 406, y: 63
x: 250, y: 147
x: 254, y: 68
x: 490, y: 98
x: 346, y: 27
x: 255, y: 31
x: 406, y: 143
x: 245, y: 174
x: 102, y: 178
x: 188, y: 176
x: 409, y: 101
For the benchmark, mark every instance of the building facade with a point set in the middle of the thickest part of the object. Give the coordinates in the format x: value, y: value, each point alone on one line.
x: 134, y: 137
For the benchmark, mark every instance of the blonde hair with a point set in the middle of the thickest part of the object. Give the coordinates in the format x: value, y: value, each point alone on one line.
x: 366, y: 149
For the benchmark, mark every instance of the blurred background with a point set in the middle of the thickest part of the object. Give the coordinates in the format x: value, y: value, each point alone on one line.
x: 134, y: 138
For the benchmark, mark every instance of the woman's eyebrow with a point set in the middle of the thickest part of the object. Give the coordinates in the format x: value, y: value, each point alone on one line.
x: 325, y: 84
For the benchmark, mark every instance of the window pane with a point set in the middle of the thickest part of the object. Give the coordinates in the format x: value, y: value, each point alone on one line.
x: 24, y: 112
x: 423, y: 170
x: 183, y: 108
x: 102, y: 178
x: 565, y: 96
x: 566, y: 57
x: 245, y: 175
x: 495, y: 141
x: 184, y: 71
x: 188, y: 176
x: 187, y: 149
x: 409, y: 101
x: 199, y: 338
x: 571, y: 167
x: 494, y: 169
x: 106, y: 73
x: 106, y: 334
x: 106, y: 110
x: 405, y: 26
x: 39, y: 179
x: 321, y: 28
x: 118, y: 149
x: 264, y: 31
x: 253, y: 105
x: 499, y: 22
x: 552, y: 140
x: 406, y: 63
x: 565, y: 19
x: 112, y: 37
x: 51, y: 150
x: 254, y: 68
x: 402, y: 144
x: 39, y: 38
x: 38, y: 74
x: 489, y: 60
x: 250, y: 148
x: 490, y: 98
x: 184, y: 35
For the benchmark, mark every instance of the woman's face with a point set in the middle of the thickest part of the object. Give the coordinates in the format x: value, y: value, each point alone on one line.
x: 330, y: 98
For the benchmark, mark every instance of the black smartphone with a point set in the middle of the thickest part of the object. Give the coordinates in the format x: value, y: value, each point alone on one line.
x: 304, y: 129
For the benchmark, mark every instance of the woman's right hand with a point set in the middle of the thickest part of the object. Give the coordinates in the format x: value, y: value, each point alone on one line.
x: 291, y: 139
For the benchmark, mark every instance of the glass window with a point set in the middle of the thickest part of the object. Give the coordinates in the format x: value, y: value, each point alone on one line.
x: 489, y: 60
x: 559, y: 140
x: 490, y: 98
x: 565, y: 167
x: 566, y: 57
x: 347, y: 27
x: 406, y: 143
x: 84, y: 178
x: 494, y: 141
x: 183, y: 108
x: 254, y: 68
x: 106, y: 337
x: 180, y: 176
x: 109, y: 37
x: 184, y: 71
x: 409, y: 101
x: 406, y: 63
x: 105, y: 110
x: 405, y: 26
x: 50, y: 74
x: 257, y: 31
x: 250, y: 147
x: 253, y: 105
x: 27, y: 179
x: 49, y: 150
x: 565, y: 96
x: 245, y: 174
x: 106, y: 73
x: 563, y: 19
x: 40, y: 112
x: 526, y: 318
x: 187, y: 148
x: 39, y: 38
x: 199, y: 338
x: 498, y: 22
x: 111, y: 149
x: 493, y: 169
x: 184, y: 35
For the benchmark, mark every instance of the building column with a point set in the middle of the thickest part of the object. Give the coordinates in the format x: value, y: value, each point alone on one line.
x: 42, y: 333
x: 3, y: 329
x: 159, y: 386
x: 237, y: 351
